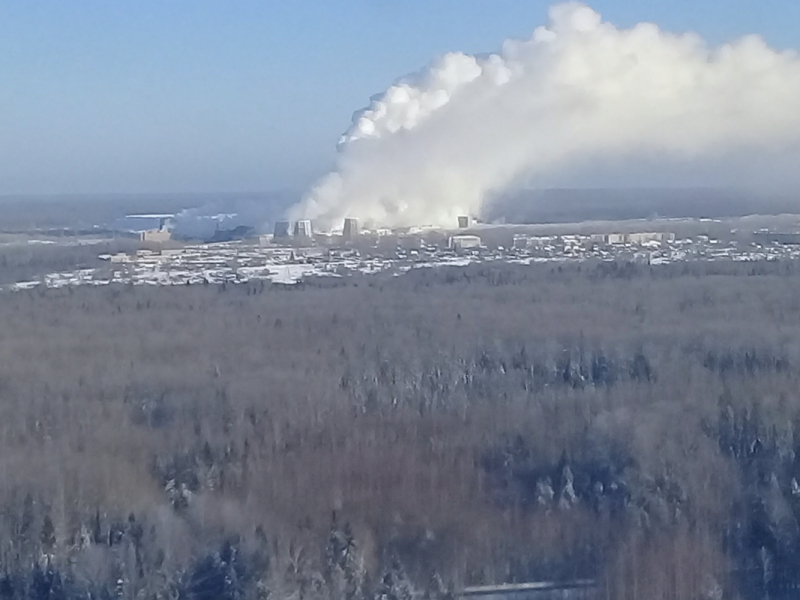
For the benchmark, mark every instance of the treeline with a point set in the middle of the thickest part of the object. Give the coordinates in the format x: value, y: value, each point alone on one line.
x: 22, y: 261
x: 403, y: 437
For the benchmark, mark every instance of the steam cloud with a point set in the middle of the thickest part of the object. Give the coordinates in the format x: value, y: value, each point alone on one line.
x: 438, y: 143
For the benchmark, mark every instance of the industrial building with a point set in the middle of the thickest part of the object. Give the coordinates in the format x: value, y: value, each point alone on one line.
x: 239, y: 232
x: 162, y: 234
x: 464, y: 242
x: 138, y: 224
x: 155, y: 236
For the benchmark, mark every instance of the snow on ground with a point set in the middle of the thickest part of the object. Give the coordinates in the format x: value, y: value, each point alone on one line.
x: 239, y: 262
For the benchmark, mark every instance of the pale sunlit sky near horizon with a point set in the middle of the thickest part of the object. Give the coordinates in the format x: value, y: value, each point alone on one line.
x: 250, y: 95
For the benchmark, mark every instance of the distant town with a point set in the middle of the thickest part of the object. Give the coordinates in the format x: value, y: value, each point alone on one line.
x: 294, y: 252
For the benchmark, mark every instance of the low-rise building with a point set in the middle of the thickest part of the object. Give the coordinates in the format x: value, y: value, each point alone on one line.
x: 540, y: 241
x: 616, y: 238
x: 636, y: 238
x: 520, y: 241
x: 155, y: 236
x: 646, y: 237
x: 464, y: 242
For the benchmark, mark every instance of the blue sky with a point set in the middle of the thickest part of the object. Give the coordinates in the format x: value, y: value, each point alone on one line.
x: 246, y: 95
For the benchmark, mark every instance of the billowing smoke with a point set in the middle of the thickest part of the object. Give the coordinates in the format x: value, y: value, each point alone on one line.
x: 226, y: 214
x: 580, y: 92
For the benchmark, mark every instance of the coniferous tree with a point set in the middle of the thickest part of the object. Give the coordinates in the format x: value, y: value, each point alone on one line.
x: 48, y: 537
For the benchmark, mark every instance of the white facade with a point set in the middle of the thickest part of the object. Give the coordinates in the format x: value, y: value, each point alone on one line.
x: 616, y: 238
x: 520, y: 240
x: 463, y: 242
x: 540, y: 241
x: 303, y: 229
x: 644, y: 238
x: 155, y: 235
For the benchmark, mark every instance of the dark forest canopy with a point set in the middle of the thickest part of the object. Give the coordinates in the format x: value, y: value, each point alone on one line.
x: 387, y: 437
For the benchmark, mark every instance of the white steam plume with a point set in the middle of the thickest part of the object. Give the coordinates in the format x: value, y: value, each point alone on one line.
x: 438, y: 142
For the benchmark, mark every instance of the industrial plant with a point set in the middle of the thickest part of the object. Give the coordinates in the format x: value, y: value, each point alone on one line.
x: 294, y: 251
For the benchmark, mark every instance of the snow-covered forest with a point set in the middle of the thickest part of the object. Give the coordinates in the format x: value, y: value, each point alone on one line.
x: 405, y: 437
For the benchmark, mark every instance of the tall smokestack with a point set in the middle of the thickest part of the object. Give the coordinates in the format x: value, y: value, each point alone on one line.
x: 282, y: 230
x: 350, y: 230
x: 303, y: 229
